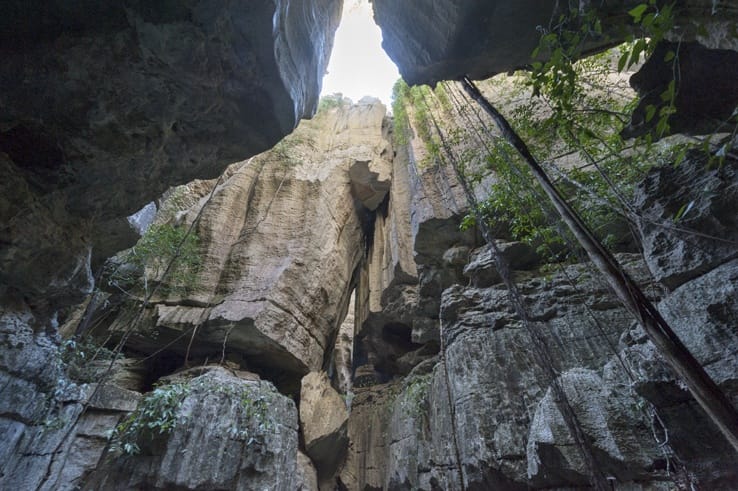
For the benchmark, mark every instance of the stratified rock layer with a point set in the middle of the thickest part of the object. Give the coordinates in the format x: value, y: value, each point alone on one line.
x: 282, y: 236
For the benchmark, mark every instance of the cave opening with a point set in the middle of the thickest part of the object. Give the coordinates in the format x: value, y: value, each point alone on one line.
x: 359, y: 66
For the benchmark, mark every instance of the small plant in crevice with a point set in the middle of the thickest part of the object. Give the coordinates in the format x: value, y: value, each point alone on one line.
x: 146, y: 263
x: 155, y: 415
x: 413, y: 397
x: 79, y: 355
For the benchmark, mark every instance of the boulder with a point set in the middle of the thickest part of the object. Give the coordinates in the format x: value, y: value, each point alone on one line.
x: 323, y: 419
x: 307, y: 476
x: 230, y: 433
x: 687, y: 222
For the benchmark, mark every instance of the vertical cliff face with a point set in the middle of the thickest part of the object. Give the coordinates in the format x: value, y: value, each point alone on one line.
x: 450, y: 392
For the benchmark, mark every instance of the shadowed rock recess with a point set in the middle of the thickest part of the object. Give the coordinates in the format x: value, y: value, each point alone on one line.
x: 107, y: 104
x: 327, y: 324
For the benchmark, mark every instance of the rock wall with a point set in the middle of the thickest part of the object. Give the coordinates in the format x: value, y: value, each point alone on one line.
x: 432, y: 41
x: 106, y: 105
x: 281, y: 239
x: 483, y: 413
x: 341, y: 331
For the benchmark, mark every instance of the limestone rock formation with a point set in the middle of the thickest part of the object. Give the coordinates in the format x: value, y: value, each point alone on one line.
x: 53, y: 431
x: 608, y: 414
x: 339, y: 330
x: 230, y: 433
x: 486, y: 414
x: 282, y: 237
x: 323, y: 418
x: 107, y: 105
x: 307, y: 477
x: 682, y: 246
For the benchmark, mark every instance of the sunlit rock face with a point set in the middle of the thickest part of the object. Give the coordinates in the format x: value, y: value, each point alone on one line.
x: 105, y: 105
x: 281, y: 238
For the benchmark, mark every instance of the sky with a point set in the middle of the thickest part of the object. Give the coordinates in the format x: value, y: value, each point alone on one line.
x: 358, y: 65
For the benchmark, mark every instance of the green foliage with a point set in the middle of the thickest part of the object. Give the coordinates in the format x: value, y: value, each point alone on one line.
x: 78, y: 356
x: 412, y: 114
x: 329, y: 102
x: 400, y: 94
x: 414, y: 398
x: 161, y: 245
x: 577, y: 109
x: 155, y: 415
x: 254, y: 409
x: 558, y: 78
x: 581, y: 123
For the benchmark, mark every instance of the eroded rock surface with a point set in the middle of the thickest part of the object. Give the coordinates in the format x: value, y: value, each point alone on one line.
x: 53, y: 431
x: 485, y: 413
x: 231, y: 433
x: 689, y: 224
x: 282, y: 237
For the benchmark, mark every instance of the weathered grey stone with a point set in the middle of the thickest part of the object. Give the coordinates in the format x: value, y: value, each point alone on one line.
x: 704, y: 313
x: 323, y: 419
x: 495, y: 385
x: 307, y: 476
x: 707, y: 232
x: 611, y: 420
x: 48, y: 442
x: 231, y: 433
x: 481, y: 269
